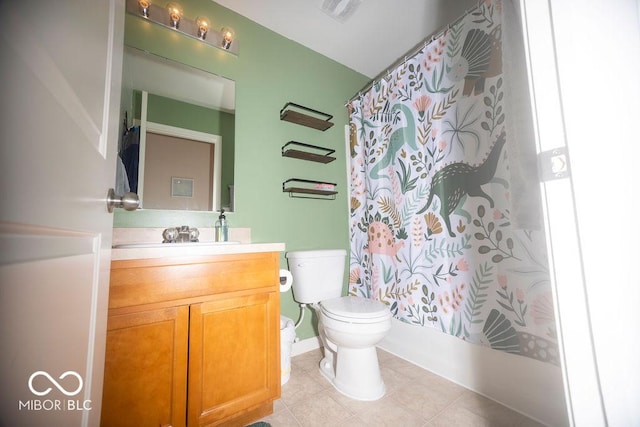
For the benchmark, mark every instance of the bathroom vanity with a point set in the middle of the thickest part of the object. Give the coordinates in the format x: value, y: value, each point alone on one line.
x: 192, y: 340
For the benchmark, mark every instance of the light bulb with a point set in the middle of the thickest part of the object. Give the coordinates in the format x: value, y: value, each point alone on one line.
x: 202, y: 22
x: 175, y: 13
x: 227, y: 37
x: 143, y: 6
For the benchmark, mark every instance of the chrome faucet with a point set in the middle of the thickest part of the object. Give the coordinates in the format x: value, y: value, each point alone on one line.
x: 180, y: 234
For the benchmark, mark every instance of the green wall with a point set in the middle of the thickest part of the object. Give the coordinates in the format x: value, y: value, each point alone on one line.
x: 269, y: 71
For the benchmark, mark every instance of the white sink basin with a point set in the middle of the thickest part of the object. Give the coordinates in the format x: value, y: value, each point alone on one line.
x: 171, y: 245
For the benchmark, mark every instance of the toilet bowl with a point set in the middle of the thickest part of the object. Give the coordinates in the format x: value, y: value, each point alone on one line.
x: 349, y: 337
x: 349, y: 327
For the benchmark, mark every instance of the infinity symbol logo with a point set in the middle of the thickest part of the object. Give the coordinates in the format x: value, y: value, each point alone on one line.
x: 55, y: 383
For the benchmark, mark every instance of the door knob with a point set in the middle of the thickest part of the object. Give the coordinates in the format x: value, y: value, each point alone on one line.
x: 128, y: 202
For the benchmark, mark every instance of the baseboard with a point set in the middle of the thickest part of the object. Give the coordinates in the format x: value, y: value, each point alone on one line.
x: 303, y: 346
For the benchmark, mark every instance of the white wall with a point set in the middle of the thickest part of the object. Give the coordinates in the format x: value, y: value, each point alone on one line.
x: 525, y: 385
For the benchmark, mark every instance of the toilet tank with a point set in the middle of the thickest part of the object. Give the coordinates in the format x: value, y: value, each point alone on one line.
x: 317, y: 275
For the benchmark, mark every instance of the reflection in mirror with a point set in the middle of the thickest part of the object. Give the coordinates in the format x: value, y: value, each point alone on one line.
x: 181, y: 168
x: 177, y: 146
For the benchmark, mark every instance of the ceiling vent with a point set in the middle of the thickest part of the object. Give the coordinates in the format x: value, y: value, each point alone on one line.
x: 340, y: 10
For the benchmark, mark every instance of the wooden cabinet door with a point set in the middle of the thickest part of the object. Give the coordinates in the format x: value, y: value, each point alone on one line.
x: 234, y: 358
x: 145, y: 379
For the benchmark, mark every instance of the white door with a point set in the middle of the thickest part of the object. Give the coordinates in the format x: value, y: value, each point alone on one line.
x: 584, y: 63
x: 61, y: 71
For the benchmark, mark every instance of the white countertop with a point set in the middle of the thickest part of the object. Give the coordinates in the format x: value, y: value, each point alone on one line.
x: 177, y: 249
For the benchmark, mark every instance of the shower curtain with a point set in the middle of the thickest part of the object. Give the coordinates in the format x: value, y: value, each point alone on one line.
x: 445, y: 205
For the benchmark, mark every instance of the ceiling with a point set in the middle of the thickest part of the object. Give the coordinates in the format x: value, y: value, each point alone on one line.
x: 377, y: 34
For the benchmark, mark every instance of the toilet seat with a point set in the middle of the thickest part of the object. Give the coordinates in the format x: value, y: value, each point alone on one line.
x: 355, y: 310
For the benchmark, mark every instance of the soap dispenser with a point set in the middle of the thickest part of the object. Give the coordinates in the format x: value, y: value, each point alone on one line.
x: 222, y: 228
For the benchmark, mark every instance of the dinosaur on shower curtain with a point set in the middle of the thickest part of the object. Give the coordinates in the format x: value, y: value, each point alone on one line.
x: 433, y: 144
x: 399, y: 137
x: 455, y: 180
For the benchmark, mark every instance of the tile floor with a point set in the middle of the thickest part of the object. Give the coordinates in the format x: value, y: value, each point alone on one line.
x: 415, y: 397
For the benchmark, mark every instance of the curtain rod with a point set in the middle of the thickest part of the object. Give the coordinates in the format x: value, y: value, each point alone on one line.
x: 412, y: 52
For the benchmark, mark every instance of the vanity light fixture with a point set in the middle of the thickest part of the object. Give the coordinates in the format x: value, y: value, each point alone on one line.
x: 202, y: 23
x: 144, y: 6
x: 172, y: 16
x: 175, y: 14
x: 227, y: 37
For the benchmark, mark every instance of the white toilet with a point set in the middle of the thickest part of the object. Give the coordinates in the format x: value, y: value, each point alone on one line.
x: 349, y: 327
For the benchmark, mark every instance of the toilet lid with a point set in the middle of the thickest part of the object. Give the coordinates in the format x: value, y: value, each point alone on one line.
x: 355, y: 308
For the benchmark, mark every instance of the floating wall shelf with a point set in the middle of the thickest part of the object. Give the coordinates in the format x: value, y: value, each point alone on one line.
x: 306, y: 154
x: 303, y: 119
x: 305, y: 188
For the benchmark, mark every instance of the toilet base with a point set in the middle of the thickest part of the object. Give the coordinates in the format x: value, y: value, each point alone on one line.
x: 356, y: 373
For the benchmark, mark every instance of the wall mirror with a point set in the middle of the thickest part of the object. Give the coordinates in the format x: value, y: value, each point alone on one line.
x: 178, y: 135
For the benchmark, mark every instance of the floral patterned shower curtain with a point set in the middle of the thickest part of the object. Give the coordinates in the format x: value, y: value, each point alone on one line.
x: 445, y: 211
